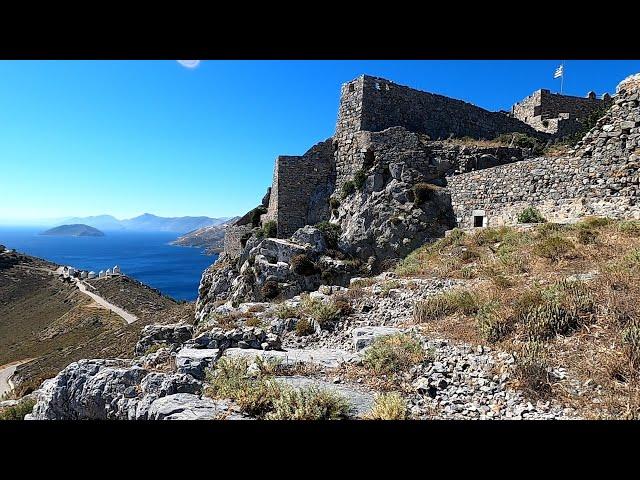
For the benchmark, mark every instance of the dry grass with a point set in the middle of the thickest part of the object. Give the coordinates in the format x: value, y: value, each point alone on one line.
x: 261, y: 396
x: 390, y: 354
x: 588, y: 327
x: 388, y: 406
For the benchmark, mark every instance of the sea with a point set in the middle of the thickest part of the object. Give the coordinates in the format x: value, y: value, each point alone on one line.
x: 147, y: 257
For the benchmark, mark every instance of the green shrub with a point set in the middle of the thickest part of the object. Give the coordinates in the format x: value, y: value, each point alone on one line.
x: 323, y: 313
x: 253, y: 322
x: 309, y: 403
x: 630, y: 227
x: 348, y: 188
x: 388, y: 406
x: 423, y: 192
x: 342, y: 304
x: 17, y: 412
x: 270, y: 289
x: 359, y: 179
x: 594, y: 222
x: 521, y: 140
x: 393, y: 353
x: 553, y: 247
x: 284, y: 311
x: 254, y: 396
x: 531, y: 215
x: 268, y: 230
x: 331, y: 233
x: 302, y: 265
x: 587, y: 236
x: 334, y: 203
x: 446, y: 303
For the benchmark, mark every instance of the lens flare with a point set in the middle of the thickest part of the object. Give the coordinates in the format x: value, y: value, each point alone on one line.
x: 189, y: 63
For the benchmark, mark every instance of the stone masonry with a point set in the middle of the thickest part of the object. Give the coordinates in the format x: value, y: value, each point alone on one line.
x: 559, y: 115
x: 372, y: 104
x: 600, y: 177
x: 301, y: 188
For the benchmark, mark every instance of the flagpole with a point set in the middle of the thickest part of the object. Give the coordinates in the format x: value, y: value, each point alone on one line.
x: 562, y: 78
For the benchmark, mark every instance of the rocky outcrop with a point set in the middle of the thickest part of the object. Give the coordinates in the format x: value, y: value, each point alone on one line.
x: 271, y: 268
x: 166, y: 335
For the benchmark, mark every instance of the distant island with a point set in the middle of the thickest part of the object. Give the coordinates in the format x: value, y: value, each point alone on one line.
x: 210, y: 238
x: 75, y: 230
x: 146, y: 222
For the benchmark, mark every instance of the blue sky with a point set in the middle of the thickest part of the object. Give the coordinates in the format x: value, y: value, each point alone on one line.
x: 128, y: 137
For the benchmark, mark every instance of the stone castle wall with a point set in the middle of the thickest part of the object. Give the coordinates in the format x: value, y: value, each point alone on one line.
x: 371, y: 104
x: 600, y: 177
x: 301, y: 189
x: 235, y: 237
x: 556, y: 114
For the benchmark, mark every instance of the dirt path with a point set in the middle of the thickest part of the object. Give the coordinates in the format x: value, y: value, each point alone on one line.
x: 6, y: 372
x: 128, y: 317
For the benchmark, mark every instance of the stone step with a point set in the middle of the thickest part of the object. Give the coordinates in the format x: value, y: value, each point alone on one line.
x: 323, y: 357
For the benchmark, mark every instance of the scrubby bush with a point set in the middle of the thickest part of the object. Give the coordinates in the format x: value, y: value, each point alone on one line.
x: 388, y: 406
x: 423, y: 192
x: 309, y: 403
x: 560, y: 310
x: 270, y: 289
x: 302, y: 265
x: 445, y: 303
x: 17, y: 412
x: 492, y: 323
x: 531, y: 368
x: 587, y: 236
x: 553, y: 247
x: 284, y: 311
x: 630, y: 227
x: 390, y: 354
x: 348, y: 188
x: 359, y: 179
x: 521, y: 140
x: 342, y: 304
x: 334, y: 203
x: 253, y: 322
x: 304, y: 327
x: 330, y: 232
x: 268, y: 230
x: 230, y: 380
x: 321, y: 312
x: 531, y: 215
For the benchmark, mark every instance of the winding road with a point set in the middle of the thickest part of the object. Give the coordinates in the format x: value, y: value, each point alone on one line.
x: 128, y: 317
x: 6, y: 372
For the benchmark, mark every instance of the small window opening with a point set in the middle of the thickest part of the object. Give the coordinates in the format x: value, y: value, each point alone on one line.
x: 351, y: 87
x: 478, y: 220
x: 369, y: 159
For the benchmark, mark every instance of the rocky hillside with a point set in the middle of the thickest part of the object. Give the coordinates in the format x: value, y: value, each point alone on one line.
x: 210, y: 238
x: 521, y: 323
x: 51, y: 323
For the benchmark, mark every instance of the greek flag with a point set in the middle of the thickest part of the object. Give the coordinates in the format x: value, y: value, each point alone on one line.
x: 559, y: 72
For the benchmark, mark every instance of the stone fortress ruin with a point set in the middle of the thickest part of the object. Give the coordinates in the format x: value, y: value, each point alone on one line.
x: 404, y: 166
x: 380, y: 121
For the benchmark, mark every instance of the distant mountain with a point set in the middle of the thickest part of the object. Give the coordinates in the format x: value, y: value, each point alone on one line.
x: 211, y: 238
x: 148, y: 223
x: 103, y: 222
x: 76, y: 230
